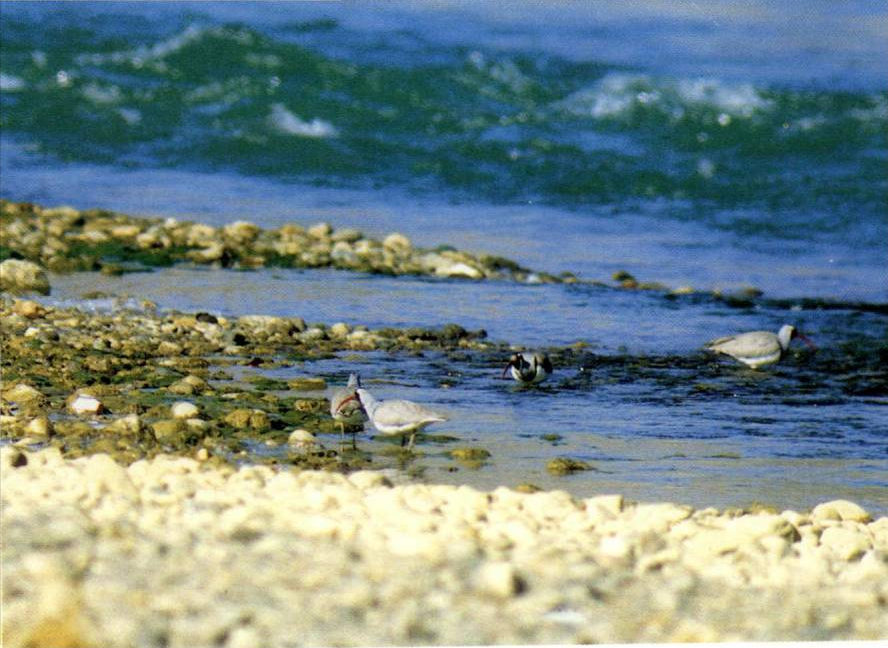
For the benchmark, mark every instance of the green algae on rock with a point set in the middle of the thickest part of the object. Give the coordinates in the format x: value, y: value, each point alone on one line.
x: 88, y: 381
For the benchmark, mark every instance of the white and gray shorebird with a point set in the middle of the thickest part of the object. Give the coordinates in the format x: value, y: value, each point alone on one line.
x: 345, y: 409
x: 395, y: 417
x: 758, y: 348
x: 529, y: 367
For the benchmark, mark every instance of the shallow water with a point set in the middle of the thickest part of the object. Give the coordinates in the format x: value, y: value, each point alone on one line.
x: 655, y: 416
x: 695, y: 145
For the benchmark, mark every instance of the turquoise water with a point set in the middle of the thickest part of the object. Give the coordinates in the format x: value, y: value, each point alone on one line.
x: 716, y: 146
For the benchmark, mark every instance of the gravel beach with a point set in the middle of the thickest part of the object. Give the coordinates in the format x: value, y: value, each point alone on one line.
x: 173, y: 552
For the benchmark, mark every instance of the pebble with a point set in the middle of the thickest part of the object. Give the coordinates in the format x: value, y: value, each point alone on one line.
x: 129, y: 425
x: 85, y: 404
x: 184, y: 410
x: 302, y: 439
x: 40, y: 426
x: 397, y: 242
x: 839, y: 510
x: 223, y: 551
x: 19, y: 276
x: 22, y: 393
x: 252, y: 419
x: 499, y: 579
x: 844, y: 543
x: 29, y: 309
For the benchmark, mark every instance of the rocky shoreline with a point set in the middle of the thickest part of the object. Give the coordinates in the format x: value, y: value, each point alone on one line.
x: 135, y: 383
x: 64, y: 239
x: 173, y: 552
x: 127, y: 519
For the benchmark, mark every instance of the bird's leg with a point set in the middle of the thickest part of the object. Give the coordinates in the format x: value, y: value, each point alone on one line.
x: 410, y: 445
x: 354, y: 440
x: 403, y: 440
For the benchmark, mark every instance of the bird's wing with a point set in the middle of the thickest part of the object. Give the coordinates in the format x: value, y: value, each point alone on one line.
x: 399, y: 412
x: 754, y: 343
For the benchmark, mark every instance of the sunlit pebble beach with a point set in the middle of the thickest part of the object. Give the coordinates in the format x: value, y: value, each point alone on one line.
x: 172, y: 552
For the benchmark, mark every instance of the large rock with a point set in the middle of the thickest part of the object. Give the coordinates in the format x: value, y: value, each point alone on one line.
x: 17, y: 276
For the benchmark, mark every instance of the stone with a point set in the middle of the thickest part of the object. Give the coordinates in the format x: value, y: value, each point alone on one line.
x: 365, y: 479
x: 499, y: 579
x: 458, y: 270
x: 347, y: 235
x: 242, y: 231
x: 18, y: 276
x: 170, y: 431
x: 320, y: 230
x: 209, y: 254
x: 22, y: 393
x: 129, y: 425
x: 40, y: 426
x: 252, y: 419
x: 302, y: 440
x: 125, y: 231
x: 398, y: 243
x: 197, y: 425
x: 29, y: 309
x: 184, y: 410
x: 566, y: 465
x: 188, y: 385
x: 844, y: 543
x: 469, y: 454
x: 840, y: 510
x: 104, y: 475
x: 201, y: 235
x: 270, y: 325
x: 339, y: 330
x: 168, y: 348
x: 82, y: 403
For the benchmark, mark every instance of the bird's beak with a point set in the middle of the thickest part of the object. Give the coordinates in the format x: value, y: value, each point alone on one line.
x: 350, y: 398
x: 806, y: 340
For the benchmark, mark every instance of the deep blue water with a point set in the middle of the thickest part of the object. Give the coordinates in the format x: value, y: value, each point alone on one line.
x: 713, y: 145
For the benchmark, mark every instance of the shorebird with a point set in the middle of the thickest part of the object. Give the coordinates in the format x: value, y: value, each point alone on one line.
x: 529, y: 368
x: 345, y: 409
x: 758, y: 348
x: 395, y: 417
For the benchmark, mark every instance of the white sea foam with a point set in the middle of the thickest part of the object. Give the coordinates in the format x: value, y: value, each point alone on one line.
x: 284, y: 121
x: 617, y: 93
x: 152, y: 55
x: 130, y: 115
x: 10, y: 83
x: 101, y: 94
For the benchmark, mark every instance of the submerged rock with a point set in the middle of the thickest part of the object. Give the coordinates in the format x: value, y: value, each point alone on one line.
x: 566, y: 465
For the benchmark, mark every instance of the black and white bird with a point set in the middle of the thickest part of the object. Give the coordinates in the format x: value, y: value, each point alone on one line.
x: 345, y: 409
x: 395, y: 417
x: 758, y: 348
x: 529, y: 368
